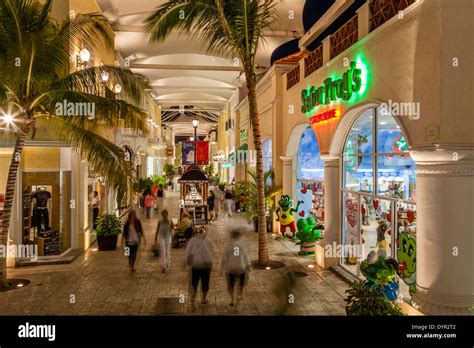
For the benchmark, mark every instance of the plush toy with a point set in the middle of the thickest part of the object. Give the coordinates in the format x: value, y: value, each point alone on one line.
x: 379, y: 270
x: 406, y: 255
x: 285, y: 215
x: 308, y: 234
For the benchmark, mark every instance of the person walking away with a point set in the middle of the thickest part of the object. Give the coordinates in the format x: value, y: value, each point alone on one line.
x: 199, y: 256
x: 159, y: 196
x: 211, y: 200
x: 148, y: 204
x: 236, y: 265
x: 164, y: 232
x: 228, y: 201
x: 95, y: 209
x: 132, y: 235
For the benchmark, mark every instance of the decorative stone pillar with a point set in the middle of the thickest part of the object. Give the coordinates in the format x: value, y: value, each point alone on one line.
x: 331, y: 213
x: 444, y: 237
x: 287, y: 162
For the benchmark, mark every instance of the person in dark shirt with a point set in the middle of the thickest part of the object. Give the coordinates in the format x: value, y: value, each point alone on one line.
x: 132, y: 235
x: 211, y: 200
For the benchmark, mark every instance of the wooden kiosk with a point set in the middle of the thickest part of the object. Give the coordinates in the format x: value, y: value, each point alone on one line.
x: 193, y: 192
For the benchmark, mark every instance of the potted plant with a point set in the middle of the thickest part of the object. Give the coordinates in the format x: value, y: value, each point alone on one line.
x: 309, y: 232
x: 108, y: 228
x: 364, y: 299
x: 247, y: 191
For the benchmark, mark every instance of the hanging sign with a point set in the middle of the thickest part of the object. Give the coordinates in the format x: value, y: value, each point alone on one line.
x: 244, y: 134
x: 202, y: 148
x: 400, y: 144
x: 333, y: 89
x: 187, y: 152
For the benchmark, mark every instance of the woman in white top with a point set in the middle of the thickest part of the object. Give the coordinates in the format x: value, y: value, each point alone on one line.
x: 164, y: 231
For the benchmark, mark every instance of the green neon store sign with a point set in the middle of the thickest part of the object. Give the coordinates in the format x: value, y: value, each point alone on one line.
x: 333, y: 89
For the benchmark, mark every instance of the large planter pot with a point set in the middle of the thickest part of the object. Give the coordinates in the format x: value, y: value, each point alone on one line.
x: 107, y: 243
x: 308, y: 248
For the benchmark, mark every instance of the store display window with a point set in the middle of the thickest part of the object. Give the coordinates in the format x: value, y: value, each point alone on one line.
x: 46, y: 212
x: 267, y: 154
x: 310, y: 177
x: 379, y: 195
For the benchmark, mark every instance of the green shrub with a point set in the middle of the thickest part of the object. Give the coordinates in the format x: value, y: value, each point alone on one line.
x: 108, y: 225
x: 366, y: 300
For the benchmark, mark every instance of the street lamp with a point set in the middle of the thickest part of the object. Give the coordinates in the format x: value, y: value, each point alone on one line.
x: 195, y: 125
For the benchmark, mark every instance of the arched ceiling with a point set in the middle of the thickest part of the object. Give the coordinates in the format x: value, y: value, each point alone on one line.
x: 180, y: 70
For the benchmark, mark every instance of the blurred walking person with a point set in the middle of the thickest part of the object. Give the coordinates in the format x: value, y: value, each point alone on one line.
x: 149, y: 199
x: 211, y: 201
x: 199, y: 256
x: 228, y: 202
x: 95, y: 209
x: 236, y: 265
x: 132, y: 235
x: 164, y: 232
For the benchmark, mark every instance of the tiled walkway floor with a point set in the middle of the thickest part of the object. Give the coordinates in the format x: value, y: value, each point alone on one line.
x: 100, y: 283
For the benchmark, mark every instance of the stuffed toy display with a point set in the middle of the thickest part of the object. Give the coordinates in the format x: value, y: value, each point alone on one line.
x: 285, y: 215
x: 406, y: 255
x: 379, y: 270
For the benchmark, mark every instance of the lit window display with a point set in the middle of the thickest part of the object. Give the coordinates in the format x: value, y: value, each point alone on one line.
x: 310, y: 177
x: 267, y: 154
x: 379, y: 195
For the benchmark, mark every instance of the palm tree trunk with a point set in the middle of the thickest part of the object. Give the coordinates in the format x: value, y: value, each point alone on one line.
x: 7, y: 208
x: 263, y: 251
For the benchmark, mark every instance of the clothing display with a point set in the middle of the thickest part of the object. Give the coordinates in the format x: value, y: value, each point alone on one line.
x: 40, y: 213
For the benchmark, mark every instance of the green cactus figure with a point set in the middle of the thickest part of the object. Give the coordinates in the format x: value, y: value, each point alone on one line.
x: 309, y: 232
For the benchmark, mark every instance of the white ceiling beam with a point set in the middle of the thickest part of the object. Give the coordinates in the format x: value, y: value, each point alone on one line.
x: 186, y: 67
x: 268, y: 33
x: 190, y: 101
x: 193, y: 110
x: 327, y: 18
x: 196, y: 88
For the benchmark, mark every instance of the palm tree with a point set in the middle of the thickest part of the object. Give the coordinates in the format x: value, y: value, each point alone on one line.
x: 248, y: 189
x: 35, y: 76
x: 228, y: 27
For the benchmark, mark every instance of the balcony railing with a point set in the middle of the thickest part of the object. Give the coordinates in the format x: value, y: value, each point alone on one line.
x: 382, y: 10
x: 293, y: 77
x: 376, y: 13
x: 313, y: 61
x: 344, y: 37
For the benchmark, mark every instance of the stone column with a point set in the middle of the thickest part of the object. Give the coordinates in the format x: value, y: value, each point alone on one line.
x: 287, y: 171
x: 444, y: 237
x: 331, y: 213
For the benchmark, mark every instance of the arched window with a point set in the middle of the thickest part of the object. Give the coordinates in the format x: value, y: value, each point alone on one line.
x: 378, y: 190
x: 310, y: 177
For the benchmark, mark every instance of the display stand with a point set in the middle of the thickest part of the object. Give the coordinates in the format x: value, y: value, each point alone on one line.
x: 193, y: 188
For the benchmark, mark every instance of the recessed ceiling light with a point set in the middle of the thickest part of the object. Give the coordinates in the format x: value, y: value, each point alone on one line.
x: 311, y: 266
x: 19, y: 285
x: 267, y: 268
x: 95, y: 249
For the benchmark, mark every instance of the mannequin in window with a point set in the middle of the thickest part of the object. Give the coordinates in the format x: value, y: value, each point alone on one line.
x: 41, y: 208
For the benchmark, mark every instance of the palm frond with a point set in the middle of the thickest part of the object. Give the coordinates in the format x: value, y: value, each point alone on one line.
x: 104, y: 156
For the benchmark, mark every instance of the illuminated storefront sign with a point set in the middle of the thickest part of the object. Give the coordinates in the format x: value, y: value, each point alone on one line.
x: 333, y: 89
x: 324, y: 116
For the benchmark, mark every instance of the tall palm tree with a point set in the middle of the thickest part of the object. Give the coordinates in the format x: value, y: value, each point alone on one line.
x: 229, y: 27
x: 35, y: 76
